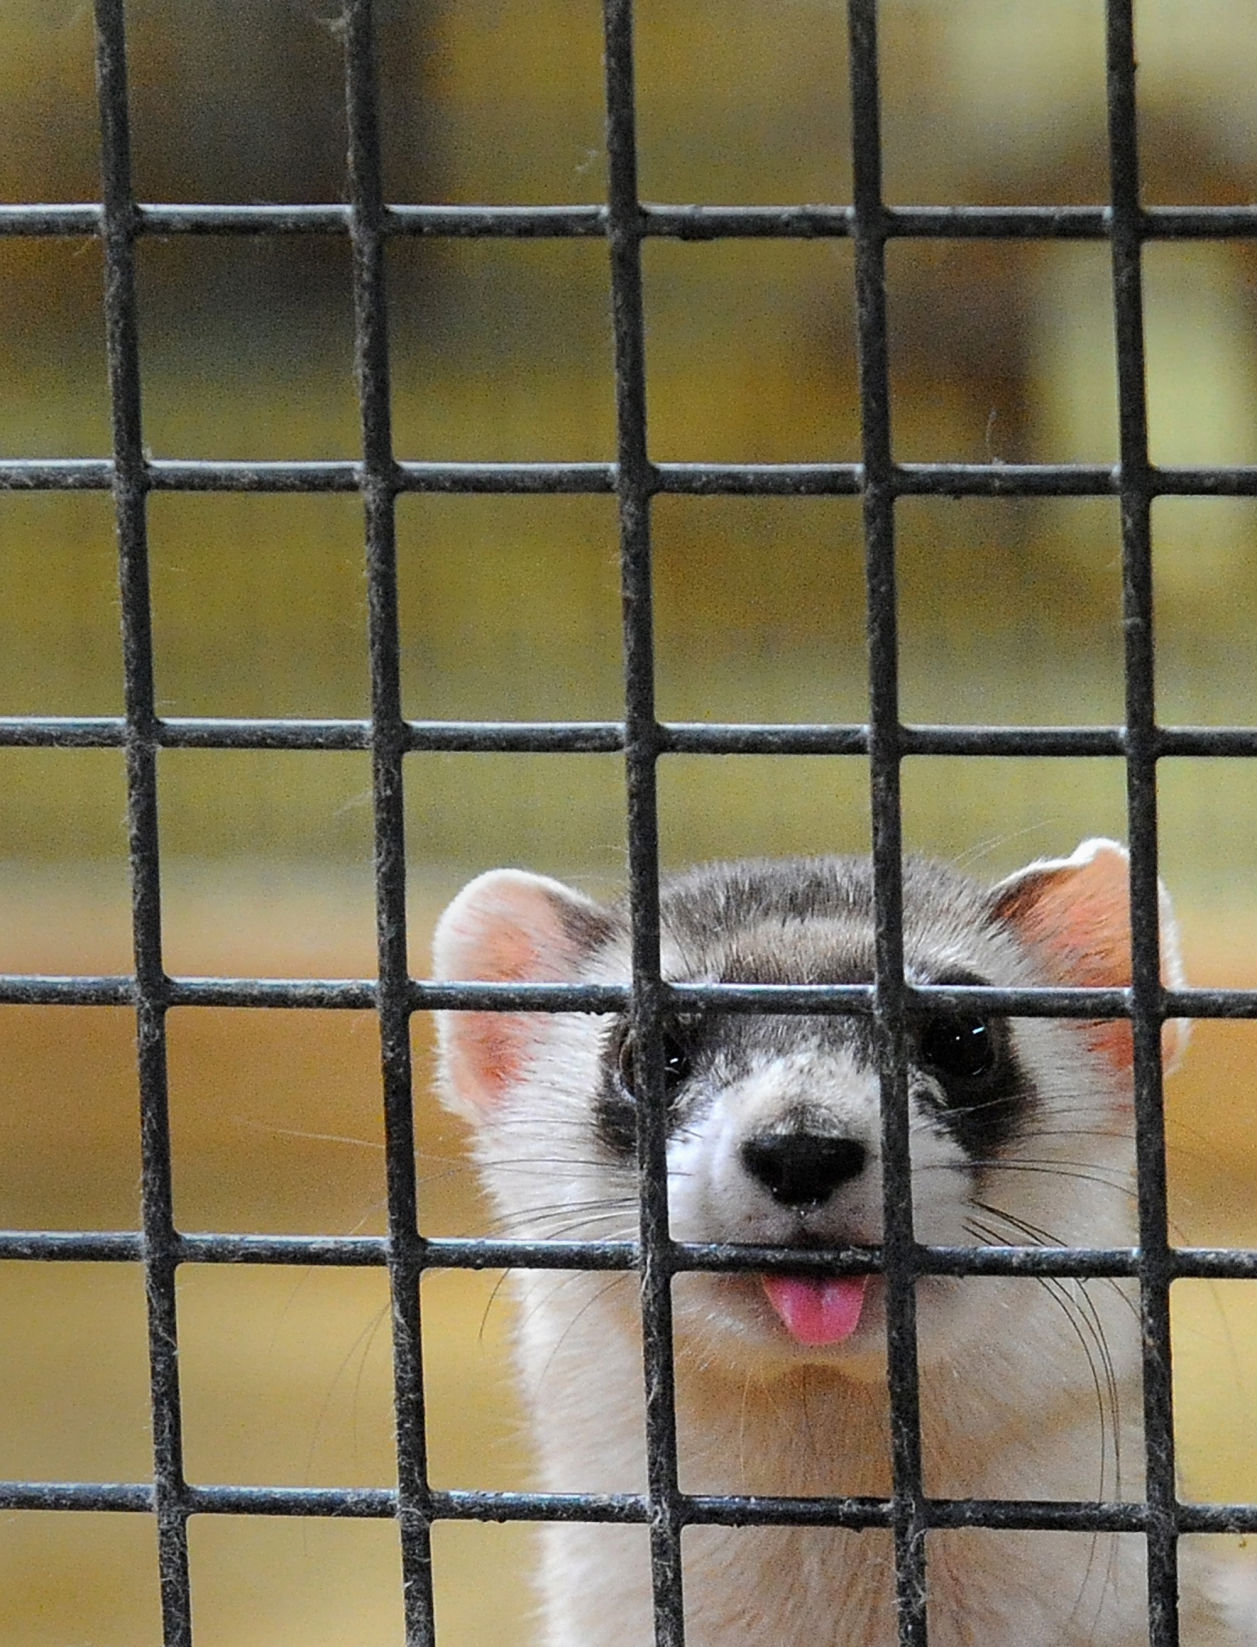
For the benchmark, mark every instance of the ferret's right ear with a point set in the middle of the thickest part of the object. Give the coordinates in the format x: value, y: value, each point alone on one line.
x: 506, y: 927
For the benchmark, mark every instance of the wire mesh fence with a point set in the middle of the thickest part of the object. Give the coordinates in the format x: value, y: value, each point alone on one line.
x: 380, y: 478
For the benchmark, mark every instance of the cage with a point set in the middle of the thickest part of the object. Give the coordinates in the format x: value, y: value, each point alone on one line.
x: 441, y: 631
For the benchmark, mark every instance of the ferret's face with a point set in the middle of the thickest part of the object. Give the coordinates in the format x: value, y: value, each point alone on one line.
x: 775, y: 1120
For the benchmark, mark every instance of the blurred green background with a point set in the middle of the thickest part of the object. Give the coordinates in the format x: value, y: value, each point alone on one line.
x: 1000, y: 352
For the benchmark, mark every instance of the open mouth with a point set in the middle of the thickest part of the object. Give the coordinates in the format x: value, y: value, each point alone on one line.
x: 817, y: 1309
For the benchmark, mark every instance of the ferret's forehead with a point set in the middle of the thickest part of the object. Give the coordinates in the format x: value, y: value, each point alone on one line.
x: 811, y: 921
x: 791, y: 951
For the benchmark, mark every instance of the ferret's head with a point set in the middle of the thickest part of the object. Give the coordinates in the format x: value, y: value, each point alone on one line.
x: 1019, y: 1128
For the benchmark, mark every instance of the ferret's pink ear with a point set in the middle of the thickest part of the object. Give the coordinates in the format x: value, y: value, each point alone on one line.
x: 1074, y: 915
x: 506, y: 927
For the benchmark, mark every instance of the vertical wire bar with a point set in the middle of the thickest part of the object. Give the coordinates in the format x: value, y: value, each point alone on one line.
x: 388, y: 740
x: 1141, y: 803
x: 878, y: 497
x: 634, y: 486
x: 130, y: 486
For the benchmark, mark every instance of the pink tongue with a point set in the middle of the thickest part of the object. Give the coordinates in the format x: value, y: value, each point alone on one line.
x: 817, y: 1309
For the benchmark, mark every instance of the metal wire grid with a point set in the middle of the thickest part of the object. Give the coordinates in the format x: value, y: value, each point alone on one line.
x: 624, y: 221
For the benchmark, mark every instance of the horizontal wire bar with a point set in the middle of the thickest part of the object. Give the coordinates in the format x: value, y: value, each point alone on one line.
x: 607, y: 737
x: 72, y: 1246
x: 76, y: 1495
x: 1038, y: 1001
x: 993, y: 480
x: 41, y: 989
x: 380, y: 1503
x: 1029, y: 1515
x: 426, y: 995
x: 339, y: 994
x: 679, y: 221
x: 317, y: 994
x: 376, y: 1503
x: 699, y: 738
x: 477, y: 1253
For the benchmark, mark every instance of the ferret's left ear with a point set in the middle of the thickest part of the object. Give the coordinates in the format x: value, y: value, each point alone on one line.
x: 1074, y: 914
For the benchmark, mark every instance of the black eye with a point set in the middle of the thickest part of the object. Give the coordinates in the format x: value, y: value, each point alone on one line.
x: 676, y: 1063
x: 957, y: 1047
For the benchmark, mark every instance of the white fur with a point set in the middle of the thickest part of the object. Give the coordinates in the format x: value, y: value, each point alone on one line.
x: 1008, y: 1398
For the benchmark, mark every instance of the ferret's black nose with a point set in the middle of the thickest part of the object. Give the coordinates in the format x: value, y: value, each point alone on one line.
x: 802, y: 1169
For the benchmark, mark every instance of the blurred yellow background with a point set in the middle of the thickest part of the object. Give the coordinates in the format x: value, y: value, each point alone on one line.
x: 1001, y: 352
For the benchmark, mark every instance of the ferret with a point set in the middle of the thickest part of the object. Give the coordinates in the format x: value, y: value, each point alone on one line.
x: 1020, y: 1133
